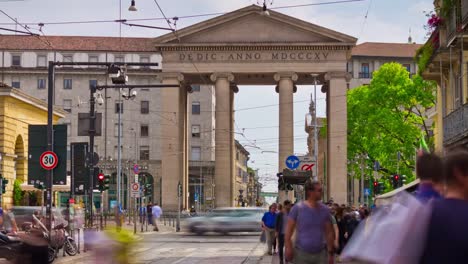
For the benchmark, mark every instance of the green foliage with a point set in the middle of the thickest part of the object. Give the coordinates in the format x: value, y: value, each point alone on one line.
x: 17, y: 193
x: 446, y: 8
x: 323, y: 129
x: 386, y: 117
x: 423, y: 57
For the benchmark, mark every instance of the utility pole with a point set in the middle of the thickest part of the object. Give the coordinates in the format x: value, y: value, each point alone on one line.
x: 119, y: 151
x: 362, y: 179
x: 92, y: 133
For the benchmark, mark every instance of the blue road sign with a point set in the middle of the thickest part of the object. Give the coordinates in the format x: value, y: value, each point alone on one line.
x: 195, y: 197
x: 292, y: 162
x: 366, y: 191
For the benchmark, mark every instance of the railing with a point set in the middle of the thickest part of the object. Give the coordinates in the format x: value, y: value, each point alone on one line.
x: 456, y: 124
x: 365, y: 75
x: 453, y: 23
x: 464, y: 12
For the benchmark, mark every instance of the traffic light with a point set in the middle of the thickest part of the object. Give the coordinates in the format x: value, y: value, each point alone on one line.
x: 4, y: 184
x: 289, y: 187
x: 376, y: 187
x: 281, y: 184
x: 395, y: 181
x: 106, y: 182
x: 38, y: 185
x: 100, y: 178
x: 402, y: 180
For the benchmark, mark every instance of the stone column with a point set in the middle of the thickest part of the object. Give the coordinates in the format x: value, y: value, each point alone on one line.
x: 174, y: 143
x: 337, y: 136
x: 285, y: 89
x: 224, y: 139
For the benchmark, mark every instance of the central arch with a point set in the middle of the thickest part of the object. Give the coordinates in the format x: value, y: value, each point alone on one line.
x: 245, y: 47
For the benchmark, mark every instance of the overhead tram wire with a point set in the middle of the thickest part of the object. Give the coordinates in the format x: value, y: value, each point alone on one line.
x: 179, y: 17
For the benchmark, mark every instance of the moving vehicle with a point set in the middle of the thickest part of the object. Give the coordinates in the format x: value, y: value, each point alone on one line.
x: 227, y: 220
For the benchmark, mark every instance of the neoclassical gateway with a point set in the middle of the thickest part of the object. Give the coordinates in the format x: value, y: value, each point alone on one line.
x: 246, y: 47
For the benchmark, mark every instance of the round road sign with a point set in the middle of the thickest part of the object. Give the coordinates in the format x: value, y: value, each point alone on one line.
x: 136, y: 169
x: 135, y: 186
x: 48, y: 160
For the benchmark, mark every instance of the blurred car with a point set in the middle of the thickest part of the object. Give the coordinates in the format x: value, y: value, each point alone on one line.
x: 226, y: 220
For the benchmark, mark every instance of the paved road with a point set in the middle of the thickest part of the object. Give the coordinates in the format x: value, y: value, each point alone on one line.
x: 184, y: 248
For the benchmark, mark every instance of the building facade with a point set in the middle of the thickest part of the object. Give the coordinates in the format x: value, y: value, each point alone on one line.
x: 24, y: 62
x: 18, y: 110
x: 444, y: 59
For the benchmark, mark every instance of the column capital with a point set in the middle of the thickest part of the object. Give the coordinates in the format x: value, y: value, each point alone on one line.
x: 285, y: 75
x: 170, y: 75
x: 222, y: 75
x: 337, y: 75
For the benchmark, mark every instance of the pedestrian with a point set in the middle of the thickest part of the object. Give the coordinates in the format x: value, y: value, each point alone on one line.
x: 149, y: 211
x: 447, y: 238
x: 429, y: 170
x: 281, y: 223
x: 314, y: 231
x: 341, y: 222
x: 268, y: 225
x: 8, y: 222
x: 156, y: 212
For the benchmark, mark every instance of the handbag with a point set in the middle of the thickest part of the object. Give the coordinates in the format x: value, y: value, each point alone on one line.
x: 393, y: 234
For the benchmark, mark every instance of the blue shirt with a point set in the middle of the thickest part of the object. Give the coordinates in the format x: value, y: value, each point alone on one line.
x: 269, y: 219
x: 447, y: 234
x: 426, y: 192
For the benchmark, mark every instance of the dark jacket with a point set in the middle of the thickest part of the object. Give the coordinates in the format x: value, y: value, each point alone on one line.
x: 279, y: 223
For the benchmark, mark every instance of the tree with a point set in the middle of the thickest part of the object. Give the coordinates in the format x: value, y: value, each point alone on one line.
x: 17, y: 193
x: 387, y: 117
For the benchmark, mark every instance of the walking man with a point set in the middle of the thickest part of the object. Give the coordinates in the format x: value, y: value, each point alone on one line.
x: 156, y: 212
x: 281, y: 223
x: 268, y: 225
x: 149, y: 212
x: 429, y: 171
x: 312, y: 223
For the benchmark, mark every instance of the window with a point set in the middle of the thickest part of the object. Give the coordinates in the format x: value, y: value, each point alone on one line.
x: 119, y: 107
x: 365, y: 71
x: 116, y: 129
x: 67, y: 105
x: 16, y: 60
x: 93, y: 59
x: 144, y: 153
x: 195, y: 88
x: 144, y: 107
x: 41, y: 83
x: 119, y: 59
x: 195, y: 108
x: 69, y: 132
x: 144, y: 131
x: 67, y: 58
x: 196, y: 131
x: 15, y: 83
x: 144, y: 60
x: 408, y: 67
x: 41, y: 61
x: 67, y: 84
x: 196, y: 153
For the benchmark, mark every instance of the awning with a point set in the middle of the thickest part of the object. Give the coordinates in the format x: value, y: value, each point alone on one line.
x: 389, y: 195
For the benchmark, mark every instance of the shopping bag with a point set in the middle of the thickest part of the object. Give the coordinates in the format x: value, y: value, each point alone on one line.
x: 263, y: 237
x: 393, y: 234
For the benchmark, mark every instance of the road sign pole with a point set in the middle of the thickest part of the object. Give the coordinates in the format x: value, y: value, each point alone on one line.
x: 50, y: 141
x: 92, y: 132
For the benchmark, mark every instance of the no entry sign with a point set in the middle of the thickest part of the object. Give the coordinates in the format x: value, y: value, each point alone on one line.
x: 48, y: 160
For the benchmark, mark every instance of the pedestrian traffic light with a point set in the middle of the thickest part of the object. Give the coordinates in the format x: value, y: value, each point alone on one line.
x: 4, y: 184
x: 106, y: 182
x: 101, y: 181
x: 289, y: 187
x: 38, y: 185
x: 281, y: 184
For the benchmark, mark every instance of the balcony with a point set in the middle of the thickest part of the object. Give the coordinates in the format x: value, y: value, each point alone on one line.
x: 456, y: 125
x: 453, y: 23
x: 365, y: 75
x: 464, y: 12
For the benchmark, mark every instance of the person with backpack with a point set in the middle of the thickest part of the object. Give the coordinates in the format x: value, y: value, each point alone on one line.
x: 314, y: 231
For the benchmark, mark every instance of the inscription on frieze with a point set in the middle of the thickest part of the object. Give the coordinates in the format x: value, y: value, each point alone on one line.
x: 245, y: 56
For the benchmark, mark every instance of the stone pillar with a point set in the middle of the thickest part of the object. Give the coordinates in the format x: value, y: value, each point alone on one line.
x: 337, y: 136
x: 224, y: 140
x: 175, y: 143
x: 285, y: 89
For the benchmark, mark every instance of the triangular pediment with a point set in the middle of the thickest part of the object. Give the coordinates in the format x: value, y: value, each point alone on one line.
x: 248, y: 25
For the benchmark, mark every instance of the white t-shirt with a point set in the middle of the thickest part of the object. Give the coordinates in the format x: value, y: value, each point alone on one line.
x: 156, y: 211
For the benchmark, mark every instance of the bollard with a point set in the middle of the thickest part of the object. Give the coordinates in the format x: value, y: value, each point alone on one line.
x: 173, y: 221
x: 78, y: 240
x: 164, y: 218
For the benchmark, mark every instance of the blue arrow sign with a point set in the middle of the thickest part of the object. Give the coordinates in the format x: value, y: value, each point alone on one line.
x: 366, y: 191
x: 292, y: 162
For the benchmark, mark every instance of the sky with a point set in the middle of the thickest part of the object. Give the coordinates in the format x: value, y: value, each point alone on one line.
x: 367, y: 20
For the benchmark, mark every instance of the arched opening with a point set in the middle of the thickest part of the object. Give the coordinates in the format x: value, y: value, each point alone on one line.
x: 147, y: 181
x: 20, y: 160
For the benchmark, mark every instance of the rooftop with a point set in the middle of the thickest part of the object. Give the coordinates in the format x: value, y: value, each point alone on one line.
x: 76, y: 43
x: 378, y: 49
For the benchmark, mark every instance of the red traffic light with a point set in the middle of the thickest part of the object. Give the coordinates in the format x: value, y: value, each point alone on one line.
x: 396, y: 177
x: 101, y: 176
x: 376, y: 183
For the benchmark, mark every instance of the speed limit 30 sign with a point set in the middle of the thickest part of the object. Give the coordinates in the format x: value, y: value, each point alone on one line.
x: 48, y: 160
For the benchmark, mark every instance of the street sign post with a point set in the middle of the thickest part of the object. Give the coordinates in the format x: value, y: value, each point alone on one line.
x: 48, y: 160
x: 135, y: 190
x: 292, y: 162
x: 136, y: 169
x: 179, y: 202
